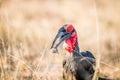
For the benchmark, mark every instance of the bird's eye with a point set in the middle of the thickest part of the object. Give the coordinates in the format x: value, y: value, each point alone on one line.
x: 69, y: 28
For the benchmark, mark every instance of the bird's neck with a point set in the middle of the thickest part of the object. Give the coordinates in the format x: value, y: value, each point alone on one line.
x: 75, y: 51
x: 71, y: 45
x: 76, y: 46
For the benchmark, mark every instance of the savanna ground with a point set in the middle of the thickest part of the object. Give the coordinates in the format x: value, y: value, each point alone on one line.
x: 27, y: 28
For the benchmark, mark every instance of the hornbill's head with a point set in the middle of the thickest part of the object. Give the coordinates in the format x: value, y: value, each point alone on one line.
x: 66, y: 34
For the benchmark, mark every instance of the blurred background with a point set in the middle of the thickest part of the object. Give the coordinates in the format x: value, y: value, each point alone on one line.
x: 28, y: 27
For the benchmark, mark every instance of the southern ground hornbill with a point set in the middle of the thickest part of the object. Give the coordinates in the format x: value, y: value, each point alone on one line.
x: 76, y: 65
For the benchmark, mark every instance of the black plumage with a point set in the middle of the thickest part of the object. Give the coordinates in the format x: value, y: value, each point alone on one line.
x: 77, y: 65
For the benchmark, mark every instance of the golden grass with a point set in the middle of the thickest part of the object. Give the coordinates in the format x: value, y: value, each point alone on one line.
x: 27, y: 29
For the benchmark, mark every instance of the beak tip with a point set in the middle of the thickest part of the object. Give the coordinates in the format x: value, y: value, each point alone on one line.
x: 54, y: 50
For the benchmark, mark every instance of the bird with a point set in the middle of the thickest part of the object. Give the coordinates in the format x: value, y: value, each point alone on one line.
x: 77, y: 65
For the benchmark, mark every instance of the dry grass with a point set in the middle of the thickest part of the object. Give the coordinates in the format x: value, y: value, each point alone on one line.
x: 27, y: 28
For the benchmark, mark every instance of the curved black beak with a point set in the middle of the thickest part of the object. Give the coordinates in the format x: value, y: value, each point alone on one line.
x: 62, y: 36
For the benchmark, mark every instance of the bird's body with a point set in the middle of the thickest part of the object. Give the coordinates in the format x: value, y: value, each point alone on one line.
x: 76, y: 65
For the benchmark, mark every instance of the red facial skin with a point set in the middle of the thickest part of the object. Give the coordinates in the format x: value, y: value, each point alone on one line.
x: 70, y: 42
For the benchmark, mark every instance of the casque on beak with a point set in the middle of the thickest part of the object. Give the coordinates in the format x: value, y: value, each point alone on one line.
x: 62, y: 35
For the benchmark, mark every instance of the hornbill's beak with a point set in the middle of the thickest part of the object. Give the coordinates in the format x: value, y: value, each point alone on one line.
x: 62, y: 35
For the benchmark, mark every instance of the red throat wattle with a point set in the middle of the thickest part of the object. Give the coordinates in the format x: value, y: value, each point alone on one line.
x: 70, y: 42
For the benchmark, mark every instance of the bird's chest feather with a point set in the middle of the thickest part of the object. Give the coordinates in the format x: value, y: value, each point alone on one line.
x: 69, y: 69
x: 69, y: 64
